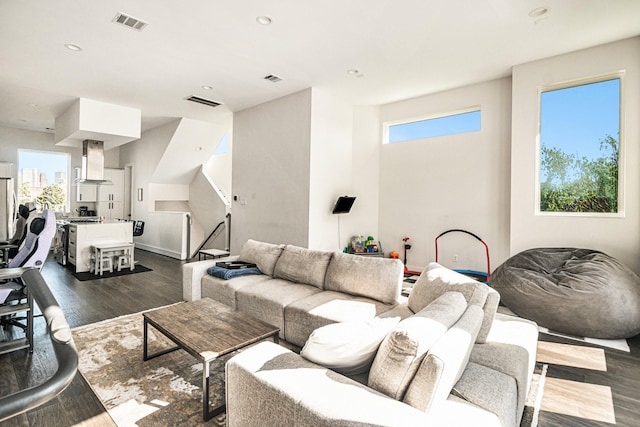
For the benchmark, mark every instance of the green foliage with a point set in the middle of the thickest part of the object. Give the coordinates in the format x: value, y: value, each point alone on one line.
x: 580, y: 184
x: 52, y: 196
x: 25, y: 193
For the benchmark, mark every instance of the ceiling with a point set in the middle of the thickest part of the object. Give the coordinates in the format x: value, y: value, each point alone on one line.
x: 395, y: 49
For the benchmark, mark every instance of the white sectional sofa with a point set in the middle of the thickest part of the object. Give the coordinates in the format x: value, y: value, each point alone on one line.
x: 442, y: 357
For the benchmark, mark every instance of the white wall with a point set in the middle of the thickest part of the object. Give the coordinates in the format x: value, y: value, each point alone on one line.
x: 363, y: 218
x: 457, y: 181
x: 145, y: 154
x: 271, y: 149
x: 330, y: 173
x: 616, y: 236
x: 218, y: 167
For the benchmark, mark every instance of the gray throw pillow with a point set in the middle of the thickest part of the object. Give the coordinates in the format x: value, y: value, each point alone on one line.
x: 404, y: 348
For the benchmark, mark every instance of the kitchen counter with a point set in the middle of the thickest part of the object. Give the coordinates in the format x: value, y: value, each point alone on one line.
x: 82, y: 235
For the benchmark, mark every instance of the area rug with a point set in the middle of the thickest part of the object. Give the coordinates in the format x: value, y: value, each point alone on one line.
x: 167, y: 391
x: 84, y: 276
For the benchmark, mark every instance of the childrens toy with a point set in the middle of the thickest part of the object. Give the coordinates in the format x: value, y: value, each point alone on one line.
x: 407, y: 246
x: 477, y: 275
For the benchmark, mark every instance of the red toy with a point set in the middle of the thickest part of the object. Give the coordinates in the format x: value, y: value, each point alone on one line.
x: 407, y: 246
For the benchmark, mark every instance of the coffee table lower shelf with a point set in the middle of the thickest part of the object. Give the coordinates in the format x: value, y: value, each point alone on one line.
x: 192, y: 326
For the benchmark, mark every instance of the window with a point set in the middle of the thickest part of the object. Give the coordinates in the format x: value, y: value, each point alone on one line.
x: 43, y: 179
x: 579, y: 154
x: 440, y: 125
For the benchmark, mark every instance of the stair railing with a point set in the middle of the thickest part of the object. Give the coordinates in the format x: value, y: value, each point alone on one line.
x: 63, y: 346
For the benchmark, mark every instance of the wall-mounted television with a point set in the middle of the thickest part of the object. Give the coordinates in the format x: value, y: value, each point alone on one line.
x: 343, y: 204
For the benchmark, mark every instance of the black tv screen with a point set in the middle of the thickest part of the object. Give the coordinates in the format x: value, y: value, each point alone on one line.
x: 343, y: 204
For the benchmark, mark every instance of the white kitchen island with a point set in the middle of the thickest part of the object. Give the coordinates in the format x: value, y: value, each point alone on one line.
x: 82, y: 236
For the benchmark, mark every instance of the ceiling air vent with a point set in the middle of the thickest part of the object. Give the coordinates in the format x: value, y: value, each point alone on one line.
x: 204, y: 101
x: 273, y: 78
x: 130, y: 21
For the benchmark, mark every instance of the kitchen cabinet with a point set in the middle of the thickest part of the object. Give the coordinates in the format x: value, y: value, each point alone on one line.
x: 115, y: 192
x: 111, y: 197
x: 86, y: 193
x: 111, y: 211
x: 83, y: 236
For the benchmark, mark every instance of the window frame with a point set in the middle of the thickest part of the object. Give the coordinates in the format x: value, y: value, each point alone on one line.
x: 67, y: 205
x: 621, y: 145
x: 387, y: 125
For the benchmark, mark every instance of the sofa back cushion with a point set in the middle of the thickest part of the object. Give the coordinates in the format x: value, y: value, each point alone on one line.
x: 301, y: 265
x: 263, y: 255
x: 371, y: 277
x: 445, y: 362
x: 403, y: 349
x: 436, y: 279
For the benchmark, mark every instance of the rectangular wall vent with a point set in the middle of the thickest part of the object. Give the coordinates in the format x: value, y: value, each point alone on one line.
x: 130, y: 21
x: 204, y: 101
x: 273, y: 78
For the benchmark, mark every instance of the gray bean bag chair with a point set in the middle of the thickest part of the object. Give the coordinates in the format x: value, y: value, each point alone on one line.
x: 576, y: 291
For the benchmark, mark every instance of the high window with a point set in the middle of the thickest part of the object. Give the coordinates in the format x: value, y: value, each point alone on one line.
x: 43, y: 179
x: 429, y: 127
x: 580, y: 150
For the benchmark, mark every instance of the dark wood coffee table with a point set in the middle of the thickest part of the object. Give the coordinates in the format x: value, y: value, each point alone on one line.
x: 206, y: 330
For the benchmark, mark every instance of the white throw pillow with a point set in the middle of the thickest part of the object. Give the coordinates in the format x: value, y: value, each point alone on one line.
x: 348, y: 347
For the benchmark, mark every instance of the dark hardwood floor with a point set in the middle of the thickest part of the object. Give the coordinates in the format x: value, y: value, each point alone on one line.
x: 83, y: 303
x: 96, y: 300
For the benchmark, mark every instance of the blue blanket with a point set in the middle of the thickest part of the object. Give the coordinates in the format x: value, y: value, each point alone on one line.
x: 229, y: 273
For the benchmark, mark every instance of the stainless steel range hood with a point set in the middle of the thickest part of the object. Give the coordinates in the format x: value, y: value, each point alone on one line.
x: 92, y: 171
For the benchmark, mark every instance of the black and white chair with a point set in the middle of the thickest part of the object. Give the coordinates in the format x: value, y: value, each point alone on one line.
x: 34, y: 252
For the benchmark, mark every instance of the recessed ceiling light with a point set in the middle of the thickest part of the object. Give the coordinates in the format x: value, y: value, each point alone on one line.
x: 33, y: 105
x: 539, y: 11
x: 264, y: 20
x: 207, y: 87
x: 352, y: 72
x: 73, y: 47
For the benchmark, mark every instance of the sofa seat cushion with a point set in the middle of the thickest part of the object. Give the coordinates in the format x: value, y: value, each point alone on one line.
x: 436, y: 279
x: 266, y: 300
x: 348, y: 347
x: 371, y: 277
x: 224, y: 291
x: 491, y: 390
x: 507, y: 329
x: 263, y: 255
x: 302, y: 265
x: 403, y: 349
x: 305, y: 315
x: 509, y: 359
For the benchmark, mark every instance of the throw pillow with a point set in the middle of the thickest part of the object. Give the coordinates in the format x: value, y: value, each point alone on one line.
x: 263, y: 255
x: 445, y: 362
x: 301, y: 265
x: 436, y: 279
x: 403, y: 349
x: 348, y: 347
